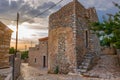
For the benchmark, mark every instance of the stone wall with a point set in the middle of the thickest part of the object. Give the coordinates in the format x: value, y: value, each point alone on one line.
x: 62, y: 18
x: 61, y: 43
x: 86, y: 40
x: 68, y: 41
x: 38, y: 54
x: 81, y: 28
x: 61, y: 50
x: 5, y: 37
x: 108, y: 51
x: 91, y: 14
x: 94, y: 44
x: 118, y: 53
x: 17, y: 66
x: 5, y: 73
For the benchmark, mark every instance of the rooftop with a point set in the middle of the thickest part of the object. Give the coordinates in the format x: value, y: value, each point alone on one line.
x: 5, y: 27
x: 43, y: 39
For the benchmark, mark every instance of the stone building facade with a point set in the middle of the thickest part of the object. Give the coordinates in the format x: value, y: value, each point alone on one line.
x: 38, y: 55
x: 5, y: 37
x: 70, y: 37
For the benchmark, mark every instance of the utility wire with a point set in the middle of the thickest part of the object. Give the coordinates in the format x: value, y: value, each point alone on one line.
x: 37, y: 14
x: 44, y: 11
x: 49, y: 8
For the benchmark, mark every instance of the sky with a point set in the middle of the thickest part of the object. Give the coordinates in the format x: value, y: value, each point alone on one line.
x: 32, y: 28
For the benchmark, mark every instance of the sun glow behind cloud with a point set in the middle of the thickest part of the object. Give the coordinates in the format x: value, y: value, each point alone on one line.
x: 9, y: 2
x: 23, y: 31
x: 26, y: 36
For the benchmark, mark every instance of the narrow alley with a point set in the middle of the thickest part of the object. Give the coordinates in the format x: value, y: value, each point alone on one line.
x: 30, y: 73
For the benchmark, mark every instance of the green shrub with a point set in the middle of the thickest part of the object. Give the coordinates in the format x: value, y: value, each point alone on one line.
x: 24, y: 55
x: 12, y: 50
x: 56, y: 70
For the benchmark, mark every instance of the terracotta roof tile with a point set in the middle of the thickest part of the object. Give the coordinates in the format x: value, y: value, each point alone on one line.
x: 43, y: 39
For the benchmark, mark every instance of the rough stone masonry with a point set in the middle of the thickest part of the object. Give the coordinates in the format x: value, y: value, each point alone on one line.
x: 70, y: 37
x: 5, y: 37
x: 38, y: 55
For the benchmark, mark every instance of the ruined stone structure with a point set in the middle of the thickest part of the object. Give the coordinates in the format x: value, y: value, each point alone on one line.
x: 38, y: 55
x: 5, y: 37
x: 70, y: 38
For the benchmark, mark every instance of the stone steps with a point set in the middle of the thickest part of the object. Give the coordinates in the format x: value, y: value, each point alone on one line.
x: 82, y: 70
x: 86, y: 63
x: 84, y: 67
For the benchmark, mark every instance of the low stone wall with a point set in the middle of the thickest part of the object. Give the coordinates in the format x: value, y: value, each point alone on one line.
x: 108, y: 51
x: 118, y: 53
x: 17, y: 68
x: 4, y: 73
x: 16, y: 65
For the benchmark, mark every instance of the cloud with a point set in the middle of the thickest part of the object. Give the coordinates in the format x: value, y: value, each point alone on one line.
x: 25, y: 8
x: 6, y: 8
x: 102, y: 13
x: 36, y: 26
x: 46, y: 5
x: 99, y: 4
x: 42, y: 33
x: 3, y: 6
x: 28, y: 13
x: 30, y: 8
x: 39, y: 24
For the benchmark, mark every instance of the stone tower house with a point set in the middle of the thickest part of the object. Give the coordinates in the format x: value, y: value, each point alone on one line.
x: 69, y: 37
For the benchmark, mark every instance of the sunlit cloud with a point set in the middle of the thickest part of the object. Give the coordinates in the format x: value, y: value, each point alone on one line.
x: 9, y: 2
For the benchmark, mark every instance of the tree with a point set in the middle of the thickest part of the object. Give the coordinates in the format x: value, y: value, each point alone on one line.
x: 24, y: 55
x: 109, y: 30
x: 12, y: 50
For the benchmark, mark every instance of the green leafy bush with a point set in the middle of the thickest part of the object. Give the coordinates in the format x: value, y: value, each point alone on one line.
x: 24, y: 55
x: 12, y: 50
x: 56, y: 70
x: 109, y: 30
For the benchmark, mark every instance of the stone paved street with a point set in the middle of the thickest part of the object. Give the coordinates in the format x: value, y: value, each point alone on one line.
x: 6, y: 73
x: 30, y: 73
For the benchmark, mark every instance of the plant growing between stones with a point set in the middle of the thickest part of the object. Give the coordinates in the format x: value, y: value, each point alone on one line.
x: 56, y: 70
